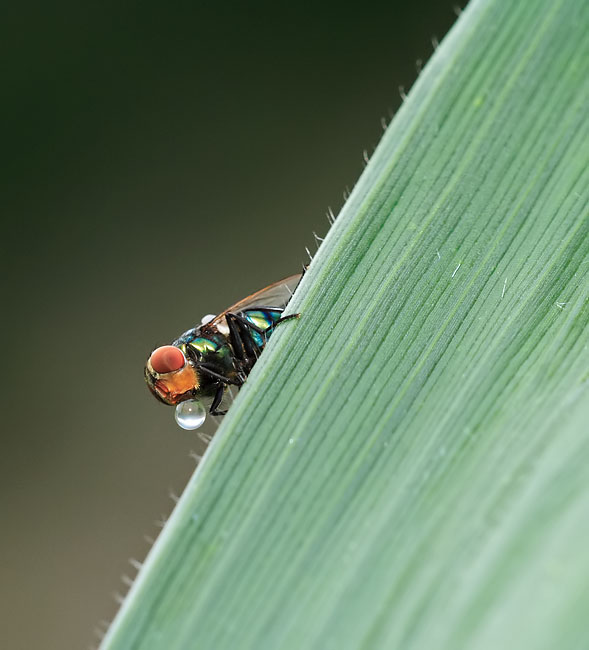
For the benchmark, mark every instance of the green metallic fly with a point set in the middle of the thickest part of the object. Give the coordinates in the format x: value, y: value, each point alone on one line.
x: 198, y: 367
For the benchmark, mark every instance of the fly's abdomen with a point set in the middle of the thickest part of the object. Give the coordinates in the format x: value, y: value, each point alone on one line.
x: 263, y: 320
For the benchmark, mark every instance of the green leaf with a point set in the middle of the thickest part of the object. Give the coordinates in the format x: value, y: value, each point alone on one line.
x: 408, y: 464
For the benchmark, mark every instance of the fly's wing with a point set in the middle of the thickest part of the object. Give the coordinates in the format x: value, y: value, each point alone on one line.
x: 276, y: 295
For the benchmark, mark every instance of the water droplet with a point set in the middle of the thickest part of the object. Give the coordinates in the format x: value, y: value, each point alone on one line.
x: 207, y: 319
x: 190, y: 414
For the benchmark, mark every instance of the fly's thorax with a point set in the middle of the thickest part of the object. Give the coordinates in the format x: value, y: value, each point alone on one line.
x: 212, y: 352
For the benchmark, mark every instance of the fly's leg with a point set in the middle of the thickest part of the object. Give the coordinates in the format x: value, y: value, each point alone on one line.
x: 244, y: 348
x: 282, y: 319
x: 211, y: 373
x: 221, y: 381
x: 235, y: 337
x: 217, y: 401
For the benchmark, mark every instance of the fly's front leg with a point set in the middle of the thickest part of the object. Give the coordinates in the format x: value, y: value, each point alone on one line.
x: 211, y: 373
x: 206, y: 369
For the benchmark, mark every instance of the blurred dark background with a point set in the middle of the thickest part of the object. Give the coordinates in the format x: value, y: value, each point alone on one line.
x: 160, y: 161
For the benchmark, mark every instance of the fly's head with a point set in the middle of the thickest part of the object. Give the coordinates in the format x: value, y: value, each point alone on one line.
x: 170, y: 376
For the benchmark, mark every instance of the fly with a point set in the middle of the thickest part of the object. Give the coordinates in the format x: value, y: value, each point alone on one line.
x: 196, y: 370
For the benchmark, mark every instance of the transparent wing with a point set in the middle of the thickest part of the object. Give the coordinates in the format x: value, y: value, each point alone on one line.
x: 275, y: 295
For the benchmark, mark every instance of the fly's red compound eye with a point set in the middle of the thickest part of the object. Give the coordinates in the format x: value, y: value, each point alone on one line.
x: 168, y: 358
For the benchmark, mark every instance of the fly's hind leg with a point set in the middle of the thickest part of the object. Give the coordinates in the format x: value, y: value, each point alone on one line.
x: 282, y: 319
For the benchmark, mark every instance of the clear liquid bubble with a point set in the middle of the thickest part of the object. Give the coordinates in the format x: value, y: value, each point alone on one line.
x: 207, y: 319
x: 190, y: 414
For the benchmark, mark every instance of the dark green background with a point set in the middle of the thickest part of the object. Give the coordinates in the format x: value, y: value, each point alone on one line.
x: 161, y: 161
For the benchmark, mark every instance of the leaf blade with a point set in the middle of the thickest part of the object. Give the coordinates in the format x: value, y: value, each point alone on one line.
x: 432, y: 360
